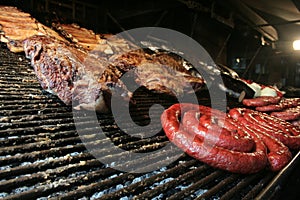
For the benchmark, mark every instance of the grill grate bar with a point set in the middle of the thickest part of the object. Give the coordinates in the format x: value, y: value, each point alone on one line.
x: 139, y: 183
x: 32, y: 156
x: 196, y: 186
x: 22, y: 102
x: 98, y: 186
x: 258, y: 187
x: 20, y: 91
x: 66, y: 118
x: 49, y: 174
x: 16, y: 140
x: 32, y: 111
x: 35, y: 130
x: 22, y: 97
x: 42, y: 145
x: 18, y: 85
x: 28, y: 120
x: 37, y: 106
x: 66, y: 184
x: 43, y: 165
x: 241, y: 185
x: 220, y: 186
x: 182, y: 179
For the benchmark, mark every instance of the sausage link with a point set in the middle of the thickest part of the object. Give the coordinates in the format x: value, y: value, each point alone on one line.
x: 261, y: 101
x: 260, y: 120
x: 286, y: 115
x: 289, y: 114
x: 296, y: 123
x: 283, y: 104
x: 283, y: 125
x: 234, y: 161
x: 269, y: 108
x: 291, y: 141
x: 271, y: 121
x: 278, y: 155
x: 204, y: 129
x: 290, y: 102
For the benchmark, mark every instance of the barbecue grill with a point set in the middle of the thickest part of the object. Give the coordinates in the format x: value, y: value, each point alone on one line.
x: 43, y: 157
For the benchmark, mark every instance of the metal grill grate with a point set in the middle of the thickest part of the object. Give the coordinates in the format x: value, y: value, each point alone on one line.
x: 42, y: 156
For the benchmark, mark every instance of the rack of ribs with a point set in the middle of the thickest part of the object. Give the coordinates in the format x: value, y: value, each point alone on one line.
x: 15, y: 26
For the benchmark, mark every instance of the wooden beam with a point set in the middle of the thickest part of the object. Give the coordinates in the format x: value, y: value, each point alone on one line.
x: 253, y: 19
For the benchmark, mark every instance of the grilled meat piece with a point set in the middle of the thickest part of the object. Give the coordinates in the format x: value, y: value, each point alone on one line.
x: 153, y: 70
x: 162, y: 78
x: 78, y: 35
x: 88, y: 81
x: 102, y: 45
x: 72, y: 74
x: 161, y: 72
x: 16, y: 26
x: 85, y: 68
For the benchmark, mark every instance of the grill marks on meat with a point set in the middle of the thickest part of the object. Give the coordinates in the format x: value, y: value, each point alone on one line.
x: 16, y: 26
x: 98, y: 44
x: 53, y: 66
x: 78, y: 35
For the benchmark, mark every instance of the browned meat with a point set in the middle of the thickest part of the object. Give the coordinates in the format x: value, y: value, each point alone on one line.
x: 12, y: 11
x: 83, y: 67
x: 16, y: 26
x: 161, y: 71
x: 108, y: 46
x: 78, y: 35
x: 162, y: 78
x: 71, y: 74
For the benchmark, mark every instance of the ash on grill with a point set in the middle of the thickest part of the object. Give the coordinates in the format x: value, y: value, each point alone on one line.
x: 42, y: 156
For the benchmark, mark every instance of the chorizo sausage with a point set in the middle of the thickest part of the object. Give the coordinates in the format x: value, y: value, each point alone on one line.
x: 285, y: 132
x: 269, y: 108
x: 283, y: 104
x: 261, y: 101
x: 278, y: 154
x: 286, y: 115
x: 234, y: 161
x: 204, y: 128
x: 289, y: 114
x: 277, y: 123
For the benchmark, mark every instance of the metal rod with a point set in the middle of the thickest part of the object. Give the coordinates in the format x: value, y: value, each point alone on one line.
x: 279, y: 23
x: 223, y: 46
x: 251, y: 61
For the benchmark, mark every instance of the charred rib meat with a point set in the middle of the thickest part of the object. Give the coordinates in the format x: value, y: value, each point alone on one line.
x: 16, y: 26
